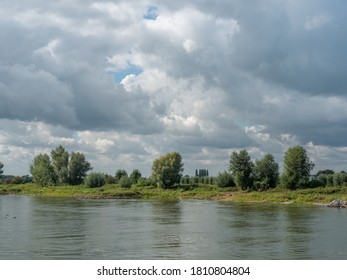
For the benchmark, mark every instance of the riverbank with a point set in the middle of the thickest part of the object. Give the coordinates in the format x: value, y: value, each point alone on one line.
x: 304, y: 196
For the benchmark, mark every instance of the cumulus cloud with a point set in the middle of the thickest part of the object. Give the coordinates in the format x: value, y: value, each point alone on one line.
x: 316, y: 21
x: 127, y: 81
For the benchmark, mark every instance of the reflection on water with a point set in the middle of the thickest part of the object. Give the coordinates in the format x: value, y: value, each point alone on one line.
x: 60, y: 228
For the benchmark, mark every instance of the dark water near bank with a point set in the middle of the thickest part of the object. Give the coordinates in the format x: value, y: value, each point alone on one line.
x: 52, y: 228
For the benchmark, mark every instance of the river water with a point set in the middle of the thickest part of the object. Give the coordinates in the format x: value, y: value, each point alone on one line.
x: 61, y: 228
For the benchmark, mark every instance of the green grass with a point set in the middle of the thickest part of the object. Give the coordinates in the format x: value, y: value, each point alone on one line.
x: 278, y: 195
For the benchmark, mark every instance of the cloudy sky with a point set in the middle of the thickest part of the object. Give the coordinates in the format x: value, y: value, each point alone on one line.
x: 127, y: 81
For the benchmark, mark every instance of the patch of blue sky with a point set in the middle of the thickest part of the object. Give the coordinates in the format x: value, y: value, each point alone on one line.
x: 152, y: 13
x: 120, y: 75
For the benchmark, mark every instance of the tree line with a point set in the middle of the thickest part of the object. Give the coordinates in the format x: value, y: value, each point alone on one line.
x: 64, y: 168
x: 60, y: 168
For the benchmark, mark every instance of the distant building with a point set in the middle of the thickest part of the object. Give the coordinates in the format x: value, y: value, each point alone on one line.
x: 201, y: 173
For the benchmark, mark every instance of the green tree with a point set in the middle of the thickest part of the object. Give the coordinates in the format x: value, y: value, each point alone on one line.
x: 325, y: 172
x: 266, y: 172
x: 119, y: 174
x: 60, y: 162
x: 125, y: 182
x: 1, y: 171
x: 78, y: 168
x: 42, y: 170
x: 224, y: 180
x: 94, y: 180
x: 167, y: 170
x: 241, y: 168
x: 135, y: 176
x: 297, y: 167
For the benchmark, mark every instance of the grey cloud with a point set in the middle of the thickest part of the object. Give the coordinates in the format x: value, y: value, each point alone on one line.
x: 275, y: 64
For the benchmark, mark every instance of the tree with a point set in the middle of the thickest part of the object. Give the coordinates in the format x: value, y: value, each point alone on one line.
x: 119, y: 174
x: 167, y: 170
x: 225, y: 179
x: 325, y: 172
x: 125, y: 182
x: 1, y: 170
x: 95, y: 180
x: 42, y: 170
x: 241, y: 168
x: 60, y: 162
x: 135, y: 176
x: 297, y: 167
x: 266, y: 172
x: 78, y: 168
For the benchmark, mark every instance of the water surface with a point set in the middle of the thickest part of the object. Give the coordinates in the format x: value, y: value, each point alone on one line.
x: 65, y: 228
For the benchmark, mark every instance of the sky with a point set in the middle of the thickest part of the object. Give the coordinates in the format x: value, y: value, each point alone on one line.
x: 125, y: 82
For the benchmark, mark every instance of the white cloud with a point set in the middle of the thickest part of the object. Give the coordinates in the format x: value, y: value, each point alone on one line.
x: 210, y: 78
x: 317, y: 21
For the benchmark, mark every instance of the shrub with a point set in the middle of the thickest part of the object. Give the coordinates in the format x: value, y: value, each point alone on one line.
x: 95, y: 180
x: 125, y: 182
x: 109, y: 179
x: 225, y: 180
x: 330, y: 180
x: 16, y: 180
x: 315, y: 184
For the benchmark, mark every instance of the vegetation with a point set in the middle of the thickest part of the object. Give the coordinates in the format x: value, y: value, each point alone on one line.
x: 266, y: 173
x: 297, y: 168
x: 167, y: 170
x: 60, y: 162
x: 78, y: 168
x: 241, y: 167
x: 125, y: 182
x: 1, y: 170
x: 62, y: 174
x: 43, y: 171
x: 225, y: 180
x: 60, y: 169
x: 119, y: 174
x: 95, y: 180
x: 135, y: 176
x: 321, y: 195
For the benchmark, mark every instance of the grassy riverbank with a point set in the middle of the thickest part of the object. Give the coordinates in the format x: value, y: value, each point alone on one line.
x: 303, y: 196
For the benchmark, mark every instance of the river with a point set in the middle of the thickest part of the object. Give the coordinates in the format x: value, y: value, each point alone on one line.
x: 65, y: 228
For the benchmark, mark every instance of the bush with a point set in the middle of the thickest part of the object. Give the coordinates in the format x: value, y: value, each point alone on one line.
x: 16, y: 180
x: 315, y: 184
x: 95, y: 180
x: 339, y: 179
x: 145, y: 182
x: 125, y: 182
x: 109, y: 179
x: 225, y: 180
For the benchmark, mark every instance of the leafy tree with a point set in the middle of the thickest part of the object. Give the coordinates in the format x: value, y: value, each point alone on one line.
x: 60, y: 162
x: 1, y: 170
x: 266, y: 172
x: 16, y: 180
x: 42, y: 170
x: 119, y: 174
x: 323, y: 178
x: 125, y: 182
x: 95, y: 180
x: 135, y: 176
x: 224, y: 180
x: 330, y: 180
x: 339, y: 179
x: 325, y: 172
x: 297, y: 167
x: 167, y: 170
x: 109, y: 179
x: 241, y: 168
x: 78, y: 168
